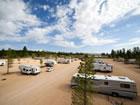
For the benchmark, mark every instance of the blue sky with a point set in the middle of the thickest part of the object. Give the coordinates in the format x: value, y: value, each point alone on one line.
x: 91, y: 26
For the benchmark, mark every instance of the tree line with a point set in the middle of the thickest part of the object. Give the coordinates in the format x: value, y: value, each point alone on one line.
x: 11, y: 53
x: 133, y: 53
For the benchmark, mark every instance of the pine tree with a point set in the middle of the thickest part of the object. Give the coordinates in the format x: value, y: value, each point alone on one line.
x: 82, y: 95
x: 9, y: 59
x: 41, y: 62
x: 9, y: 64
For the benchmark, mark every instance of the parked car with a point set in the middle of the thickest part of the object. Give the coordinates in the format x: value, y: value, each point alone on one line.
x: 49, y: 69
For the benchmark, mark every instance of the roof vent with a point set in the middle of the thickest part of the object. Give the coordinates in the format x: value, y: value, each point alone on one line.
x: 121, y: 77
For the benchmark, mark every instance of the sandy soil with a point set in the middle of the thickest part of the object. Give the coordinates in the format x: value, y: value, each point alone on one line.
x: 47, y: 88
x: 52, y: 88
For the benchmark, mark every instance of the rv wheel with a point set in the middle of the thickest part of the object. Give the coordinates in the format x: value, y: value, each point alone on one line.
x: 114, y: 94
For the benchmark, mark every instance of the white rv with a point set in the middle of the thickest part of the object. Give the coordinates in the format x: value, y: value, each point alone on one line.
x: 102, y: 67
x: 113, y: 85
x: 50, y: 62
x: 99, y: 61
x: 29, y: 69
x: 64, y: 61
x: 2, y: 62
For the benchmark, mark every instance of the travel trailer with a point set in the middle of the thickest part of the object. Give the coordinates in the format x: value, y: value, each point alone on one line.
x: 102, y: 67
x: 130, y: 61
x: 99, y: 61
x: 2, y: 62
x: 64, y: 61
x: 112, y: 85
x: 50, y: 62
x: 120, y: 59
x: 29, y: 69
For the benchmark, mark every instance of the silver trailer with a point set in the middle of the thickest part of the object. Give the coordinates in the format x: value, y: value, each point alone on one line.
x: 29, y: 69
x: 63, y: 61
x: 115, y: 85
x: 107, y: 84
x: 50, y: 62
x: 102, y: 67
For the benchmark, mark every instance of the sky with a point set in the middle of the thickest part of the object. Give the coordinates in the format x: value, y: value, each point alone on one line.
x: 90, y: 26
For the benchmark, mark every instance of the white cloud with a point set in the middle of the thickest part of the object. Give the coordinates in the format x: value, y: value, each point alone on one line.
x: 131, y: 43
x: 138, y: 31
x: 14, y: 15
x: 90, y: 16
x: 45, y: 7
x: 38, y: 35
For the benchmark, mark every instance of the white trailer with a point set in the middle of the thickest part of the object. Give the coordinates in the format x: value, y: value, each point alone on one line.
x: 50, y: 62
x: 102, y: 67
x: 2, y: 62
x: 64, y: 61
x: 115, y: 85
x: 99, y: 61
x: 29, y: 69
x: 112, y: 85
x: 132, y: 61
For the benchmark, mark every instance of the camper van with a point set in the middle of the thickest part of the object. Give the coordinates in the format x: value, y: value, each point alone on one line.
x: 102, y: 67
x: 112, y: 85
x: 29, y: 69
x: 2, y: 62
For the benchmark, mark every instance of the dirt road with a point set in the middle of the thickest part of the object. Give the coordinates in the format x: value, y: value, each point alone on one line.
x: 47, y: 88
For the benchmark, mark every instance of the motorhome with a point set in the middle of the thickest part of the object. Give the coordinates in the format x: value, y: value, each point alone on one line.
x: 29, y: 69
x: 113, y: 85
x: 2, y: 62
x: 50, y: 62
x: 102, y: 67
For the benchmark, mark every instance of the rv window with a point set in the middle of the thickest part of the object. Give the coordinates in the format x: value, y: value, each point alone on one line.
x: 105, y: 83
x: 124, y: 85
